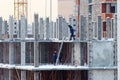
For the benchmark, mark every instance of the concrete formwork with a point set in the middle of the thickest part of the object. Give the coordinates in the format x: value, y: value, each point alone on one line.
x: 102, y: 75
x: 102, y: 54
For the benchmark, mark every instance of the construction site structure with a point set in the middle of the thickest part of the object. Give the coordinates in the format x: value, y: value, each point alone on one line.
x: 105, y: 8
x: 26, y: 50
x: 88, y: 57
x: 20, y: 8
x: 76, y: 7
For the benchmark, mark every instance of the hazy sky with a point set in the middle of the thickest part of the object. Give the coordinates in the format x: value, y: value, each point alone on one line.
x: 37, y: 6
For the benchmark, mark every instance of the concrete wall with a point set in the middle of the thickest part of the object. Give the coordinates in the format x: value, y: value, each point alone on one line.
x: 103, y: 55
x: 102, y: 75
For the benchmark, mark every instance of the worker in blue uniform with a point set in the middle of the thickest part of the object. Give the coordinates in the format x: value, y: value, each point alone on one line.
x: 54, y: 57
x: 72, y: 32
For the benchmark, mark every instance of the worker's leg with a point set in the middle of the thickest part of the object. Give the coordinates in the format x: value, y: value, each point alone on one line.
x: 74, y: 37
x: 71, y: 37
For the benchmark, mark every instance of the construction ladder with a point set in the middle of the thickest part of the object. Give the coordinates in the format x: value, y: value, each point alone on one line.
x: 60, y: 51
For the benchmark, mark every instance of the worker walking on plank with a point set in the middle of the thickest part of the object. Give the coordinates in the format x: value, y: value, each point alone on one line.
x: 72, y: 32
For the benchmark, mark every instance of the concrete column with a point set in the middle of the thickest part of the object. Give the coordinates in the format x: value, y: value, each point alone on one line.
x: 65, y: 28
x: 74, y: 24
x: 96, y: 29
x: 94, y: 24
x: 47, y: 28
x: 115, y: 27
x: 23, y: 27
x: 60, y: 27
x: 19, y: 29
x: 41, y: 29
x: 33, y: 28
x: 90, y: 28
x: 23, y: 35
x: 10, y: 74
x: 83, y: 53
x: 51, y: 29
x: 83, y: 28
x: 1, y: 21
x: 23, y: 73
x: 100, y: 29
x: 4, y: 28
x: 11, y: 58
x: 108, y: 26
x: 115, y: 32
x: 112, y: 28
x: 36, y: 54
x: 118, y: 38
x: 76, y: 54
x: 11, y: 21
x: 36, y: 76
x: 11, y: 45
x: 55, y: 30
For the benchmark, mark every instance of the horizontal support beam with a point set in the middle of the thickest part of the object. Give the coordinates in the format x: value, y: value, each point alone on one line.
x: 49, y: 67
x: 52, y: 40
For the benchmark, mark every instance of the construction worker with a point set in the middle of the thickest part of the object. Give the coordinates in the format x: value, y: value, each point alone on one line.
x: 54, y: 57
x: 72, y: 32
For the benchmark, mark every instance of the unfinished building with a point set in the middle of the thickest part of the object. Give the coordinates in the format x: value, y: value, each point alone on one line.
x: 88, y: 57
x: 91, y: 56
